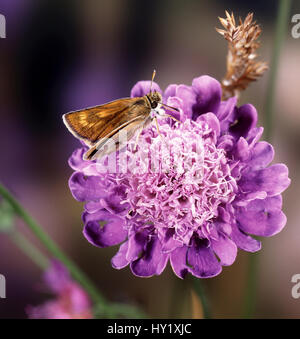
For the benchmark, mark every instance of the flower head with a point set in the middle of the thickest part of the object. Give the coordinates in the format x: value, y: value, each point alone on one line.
x: 71, y: 301
x: 190, y: 193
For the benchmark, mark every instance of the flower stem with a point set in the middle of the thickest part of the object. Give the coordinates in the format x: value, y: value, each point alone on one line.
x: 250, y: 297
x: 284, y: 7
x: 53, y: 248
x: 200, y: 290
x: 179, y: 287
x: 280, y: 31
x: 30, y: 250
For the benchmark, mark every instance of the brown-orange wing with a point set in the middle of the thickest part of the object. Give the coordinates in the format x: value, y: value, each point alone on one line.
x: 97, y: 122
x: 113, y: 142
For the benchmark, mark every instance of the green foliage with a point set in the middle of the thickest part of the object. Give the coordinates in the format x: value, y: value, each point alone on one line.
x: 7, y: 217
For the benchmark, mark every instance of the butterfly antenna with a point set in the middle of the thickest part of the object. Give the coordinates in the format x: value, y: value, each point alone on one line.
x: 153, y: 76
x: 170, y: 107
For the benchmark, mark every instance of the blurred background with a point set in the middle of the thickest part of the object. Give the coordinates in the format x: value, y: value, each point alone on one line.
x: 60, y: 56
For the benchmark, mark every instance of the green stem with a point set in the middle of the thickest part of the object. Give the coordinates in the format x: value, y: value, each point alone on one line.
x: 282, y: 20
x: 51, y: 246
x: 200, y: 290
x: 181, y: 287
x: 30, y: 250
x: 284, y: 7
x: 250, y: 297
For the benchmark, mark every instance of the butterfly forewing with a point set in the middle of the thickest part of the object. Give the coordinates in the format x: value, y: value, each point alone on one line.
x: 95, y: 123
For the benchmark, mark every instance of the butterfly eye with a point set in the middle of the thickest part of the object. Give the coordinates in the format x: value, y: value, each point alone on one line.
x: 153, y: 104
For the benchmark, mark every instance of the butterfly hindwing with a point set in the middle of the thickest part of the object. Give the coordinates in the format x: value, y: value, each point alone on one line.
x: 115, y: 140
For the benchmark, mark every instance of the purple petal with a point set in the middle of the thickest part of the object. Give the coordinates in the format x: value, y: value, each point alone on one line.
x: 85, y: 188
x: 262, y: 217
x: 178, y: 259
x: 254, y: 135
x: 152, y: 262
x: 241, y: 150
x: 109, y: 200
x: 188, y: 97
x: 185, y: 95
x: 176, y: 103
x: 226, y: 142
x: 243, y: 120
x: 170, y: 91
x: 76, y: 161
x: 142, y: 88
x: 119, y: 260
x: 244, y: 241
x: 79, y: 299
x: 272, y: 180
x: 112, y: 203
x: 212, y: 121
x: 226, y: 108
x: 208, y: 95
x: 57, y: 277
x: 89, y: 168
x: 93, y: 207
x: 243, y: 199
x: 262, y: 154
x: 202, y: 260
x: 169, y: 244
x: 225, y: 249
x: 112, y: 233
x: 93, y: 216
x: 136, y: 245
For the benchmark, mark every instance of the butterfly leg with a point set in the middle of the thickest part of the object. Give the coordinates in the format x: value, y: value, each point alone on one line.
x: 158, y: 131
x: 170, y: 116
x: 138, y: 137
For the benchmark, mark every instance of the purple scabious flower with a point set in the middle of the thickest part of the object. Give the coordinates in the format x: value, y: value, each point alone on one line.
x: 70, y: 302
x: 191, y: 194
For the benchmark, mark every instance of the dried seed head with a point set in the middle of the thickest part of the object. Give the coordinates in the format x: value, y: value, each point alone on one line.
x: 242, y: 66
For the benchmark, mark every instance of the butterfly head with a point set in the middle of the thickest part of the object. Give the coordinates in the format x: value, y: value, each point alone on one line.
x: 155, y: 99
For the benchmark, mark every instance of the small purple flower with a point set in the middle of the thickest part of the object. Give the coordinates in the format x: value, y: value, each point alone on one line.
x: 71, y: 301
x: 191, y: 194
